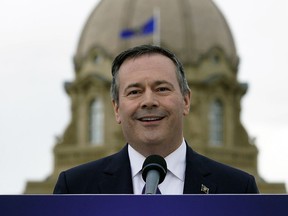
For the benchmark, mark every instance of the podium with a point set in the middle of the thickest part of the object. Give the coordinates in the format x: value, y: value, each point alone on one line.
x: 162, y: 205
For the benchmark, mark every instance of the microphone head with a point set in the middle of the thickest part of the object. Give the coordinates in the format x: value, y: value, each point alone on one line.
x: 154, y: 162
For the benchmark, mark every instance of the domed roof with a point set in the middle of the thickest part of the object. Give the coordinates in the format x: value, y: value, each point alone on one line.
x: 190, y: 28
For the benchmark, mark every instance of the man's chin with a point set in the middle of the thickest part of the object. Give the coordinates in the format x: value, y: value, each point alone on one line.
x: 153, y: 141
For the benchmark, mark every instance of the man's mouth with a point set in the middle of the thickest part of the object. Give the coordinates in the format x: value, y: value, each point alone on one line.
x: 150, y: 119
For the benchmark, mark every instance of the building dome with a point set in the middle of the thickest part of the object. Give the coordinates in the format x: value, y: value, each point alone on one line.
x: 190, y: 28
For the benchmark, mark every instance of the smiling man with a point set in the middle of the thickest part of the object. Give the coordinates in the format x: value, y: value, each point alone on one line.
x: 151, y: 97
x: 150, y: 106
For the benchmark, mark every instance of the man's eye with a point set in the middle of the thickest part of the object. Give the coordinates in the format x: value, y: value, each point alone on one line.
x: 162, y: 89
x: 134, y: 92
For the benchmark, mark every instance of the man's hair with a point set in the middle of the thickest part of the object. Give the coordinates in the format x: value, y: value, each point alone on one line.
x: 140, y: 51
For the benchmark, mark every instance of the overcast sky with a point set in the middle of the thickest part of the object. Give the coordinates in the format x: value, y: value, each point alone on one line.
x: 38, y: 40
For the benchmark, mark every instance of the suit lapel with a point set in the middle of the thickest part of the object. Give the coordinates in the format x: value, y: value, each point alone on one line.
x: 197, y: 175
x: 117, y: 175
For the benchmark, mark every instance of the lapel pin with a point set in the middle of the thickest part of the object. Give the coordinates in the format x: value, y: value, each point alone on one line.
x: 204, y: 189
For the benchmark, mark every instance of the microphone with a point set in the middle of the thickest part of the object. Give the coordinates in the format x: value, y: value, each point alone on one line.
x: 154, y: 170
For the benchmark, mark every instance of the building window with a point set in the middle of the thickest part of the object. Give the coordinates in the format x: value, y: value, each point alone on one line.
x: 216, y: 123
x: 96, y: 118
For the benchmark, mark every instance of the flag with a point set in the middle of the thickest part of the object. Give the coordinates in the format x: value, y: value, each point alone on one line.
x: 146, y: 29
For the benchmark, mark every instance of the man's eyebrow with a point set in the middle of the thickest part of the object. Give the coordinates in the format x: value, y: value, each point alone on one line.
x: 133, y: 85
x: 164, y: 82
x: 159, y: 82
x: 156, y: 83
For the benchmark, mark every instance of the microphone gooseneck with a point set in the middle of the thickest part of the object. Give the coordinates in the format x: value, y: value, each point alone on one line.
x: 154, y: 170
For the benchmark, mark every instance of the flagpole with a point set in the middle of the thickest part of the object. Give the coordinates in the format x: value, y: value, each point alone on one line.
x: 156, y: 35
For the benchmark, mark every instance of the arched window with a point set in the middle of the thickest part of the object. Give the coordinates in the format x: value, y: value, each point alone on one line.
x: 216, y: 123
x: 96, y: 120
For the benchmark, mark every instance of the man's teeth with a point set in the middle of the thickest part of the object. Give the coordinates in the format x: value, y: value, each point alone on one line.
x: 150, y: 119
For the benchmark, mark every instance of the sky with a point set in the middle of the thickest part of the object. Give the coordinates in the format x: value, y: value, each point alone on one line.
x: 38, y: 40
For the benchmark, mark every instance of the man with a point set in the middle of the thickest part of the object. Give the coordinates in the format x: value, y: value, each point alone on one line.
x: 151, y: 97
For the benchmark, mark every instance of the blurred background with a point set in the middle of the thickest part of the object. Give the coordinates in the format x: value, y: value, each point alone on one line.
x: 38, y: 40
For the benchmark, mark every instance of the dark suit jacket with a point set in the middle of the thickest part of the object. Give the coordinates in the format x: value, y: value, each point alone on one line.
x: 112, y: 175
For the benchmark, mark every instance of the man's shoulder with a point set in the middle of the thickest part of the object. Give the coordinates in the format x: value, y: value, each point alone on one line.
x: 91, y: 165
x: 216, y: 167
x: 224, y: 178
x: 88, y: 177
x: 99, y: 164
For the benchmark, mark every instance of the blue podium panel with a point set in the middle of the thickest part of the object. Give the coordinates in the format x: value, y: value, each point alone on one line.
x: 162, y: 205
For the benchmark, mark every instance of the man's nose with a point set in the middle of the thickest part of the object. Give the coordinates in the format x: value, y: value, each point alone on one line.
x: 149, y: 99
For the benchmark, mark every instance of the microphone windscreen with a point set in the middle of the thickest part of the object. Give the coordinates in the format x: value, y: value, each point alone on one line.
x: 154, y: 162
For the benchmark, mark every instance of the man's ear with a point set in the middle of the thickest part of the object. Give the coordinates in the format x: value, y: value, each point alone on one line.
x: 187, y: 101
x: 116, y: 111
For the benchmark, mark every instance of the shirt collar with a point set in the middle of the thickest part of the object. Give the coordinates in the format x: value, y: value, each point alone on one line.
x: 176, y: 161
x: 136, y: 160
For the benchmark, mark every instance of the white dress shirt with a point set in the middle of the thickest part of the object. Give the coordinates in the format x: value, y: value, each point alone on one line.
x: 176, y: 165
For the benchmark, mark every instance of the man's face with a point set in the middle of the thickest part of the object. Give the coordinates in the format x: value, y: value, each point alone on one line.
x: 151, y: 106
